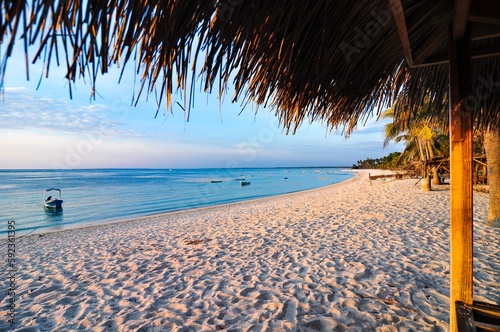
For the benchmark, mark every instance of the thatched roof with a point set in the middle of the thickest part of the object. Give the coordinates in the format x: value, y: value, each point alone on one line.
x: 328, y: 60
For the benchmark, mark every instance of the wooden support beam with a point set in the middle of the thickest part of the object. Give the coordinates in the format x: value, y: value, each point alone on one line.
x: 475, y: 54
x: 480, y: 162
x: 399, y: 17
x: 461, y: 231
x: 485, y: 11
x: 481, y: 31
x: 460, y: 20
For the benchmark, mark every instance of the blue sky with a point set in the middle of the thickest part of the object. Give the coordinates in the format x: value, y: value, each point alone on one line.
x: 44, y: 128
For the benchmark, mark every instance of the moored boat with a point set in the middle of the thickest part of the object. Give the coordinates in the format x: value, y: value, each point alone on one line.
x: 51, y: 202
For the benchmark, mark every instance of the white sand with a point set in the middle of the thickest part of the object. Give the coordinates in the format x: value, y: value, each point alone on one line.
x: 349, y: 257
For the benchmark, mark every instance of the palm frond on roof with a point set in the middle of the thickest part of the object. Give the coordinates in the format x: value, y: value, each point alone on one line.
x: 331, y: 61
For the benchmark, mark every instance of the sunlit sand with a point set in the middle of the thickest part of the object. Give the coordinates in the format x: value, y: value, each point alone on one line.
x: 351, y: 256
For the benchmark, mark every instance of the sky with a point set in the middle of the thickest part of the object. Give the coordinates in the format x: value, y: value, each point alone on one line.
x: 41, y: 127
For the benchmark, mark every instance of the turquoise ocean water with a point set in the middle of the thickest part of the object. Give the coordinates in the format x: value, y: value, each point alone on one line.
x: 93, y: 196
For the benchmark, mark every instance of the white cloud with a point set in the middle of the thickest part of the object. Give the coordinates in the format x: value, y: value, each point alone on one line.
x: 41, y: 131
x: 22, y: 109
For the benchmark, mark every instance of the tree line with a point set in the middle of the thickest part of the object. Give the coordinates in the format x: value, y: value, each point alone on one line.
x: 427, y: 150
x: 392, y: 161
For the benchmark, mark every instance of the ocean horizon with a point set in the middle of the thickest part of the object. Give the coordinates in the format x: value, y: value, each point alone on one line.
x: 101, y: 195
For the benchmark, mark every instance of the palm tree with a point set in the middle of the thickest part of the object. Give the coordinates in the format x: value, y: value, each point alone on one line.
x: 492, y: 147
x: 423, y: 141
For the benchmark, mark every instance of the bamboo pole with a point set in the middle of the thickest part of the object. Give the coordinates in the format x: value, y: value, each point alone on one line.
x: 461, y: 237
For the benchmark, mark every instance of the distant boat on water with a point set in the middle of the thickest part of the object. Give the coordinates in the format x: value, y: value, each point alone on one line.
x: 51, y: 202
x: 101, y: 195
x: 244, y: 183
x: 216, y: 181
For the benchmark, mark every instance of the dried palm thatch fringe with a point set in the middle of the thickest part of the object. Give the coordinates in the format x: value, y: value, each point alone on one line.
x: 330, y: 61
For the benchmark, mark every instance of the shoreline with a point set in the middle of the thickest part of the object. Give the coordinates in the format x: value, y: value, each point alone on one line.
x: 345, y: 256
x: 124, y: 220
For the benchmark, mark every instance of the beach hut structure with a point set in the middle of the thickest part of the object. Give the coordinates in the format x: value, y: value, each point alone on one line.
x: 331, y: 61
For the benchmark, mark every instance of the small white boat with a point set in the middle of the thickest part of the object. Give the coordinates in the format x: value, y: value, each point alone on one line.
x: 51, y: 202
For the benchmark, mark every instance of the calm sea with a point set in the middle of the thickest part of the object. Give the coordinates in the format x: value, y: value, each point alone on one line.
x: 94, y: 196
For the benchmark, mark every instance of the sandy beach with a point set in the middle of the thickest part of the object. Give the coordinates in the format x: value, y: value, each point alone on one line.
x: 349, y: 257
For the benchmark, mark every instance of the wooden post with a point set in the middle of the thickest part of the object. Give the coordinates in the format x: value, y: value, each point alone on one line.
x: 460, y: 178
